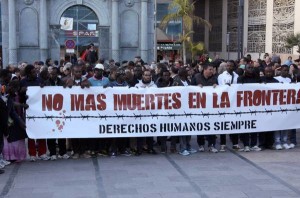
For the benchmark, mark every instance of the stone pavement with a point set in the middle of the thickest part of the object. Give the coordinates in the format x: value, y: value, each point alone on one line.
x: 231, y: 174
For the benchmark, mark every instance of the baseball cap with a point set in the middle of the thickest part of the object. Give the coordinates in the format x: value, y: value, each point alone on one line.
x: 99, y: 66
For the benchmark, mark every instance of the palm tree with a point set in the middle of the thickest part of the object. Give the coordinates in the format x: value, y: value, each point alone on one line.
x: 292, y: 41
x: 184, y: 11
x: 194, y: 48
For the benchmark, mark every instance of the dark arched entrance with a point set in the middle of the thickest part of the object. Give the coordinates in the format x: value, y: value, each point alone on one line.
x: 78, y: 23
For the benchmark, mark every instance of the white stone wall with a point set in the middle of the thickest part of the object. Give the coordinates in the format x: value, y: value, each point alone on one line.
x: 32, y: 38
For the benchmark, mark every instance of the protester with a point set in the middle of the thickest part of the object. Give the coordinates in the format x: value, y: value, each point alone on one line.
x: 119, y: 145
x: 31, y: 79
x: 14, y: 143
x: 281, y: 137
x: 98, y: 80
x: 250, y: 76
x: 54, y: 80
x: 185, y: 146
x: 229, y: 77
x: 165, y: 80
x: 206, y: 78
x: 146, y: 82
x: 79, y: 145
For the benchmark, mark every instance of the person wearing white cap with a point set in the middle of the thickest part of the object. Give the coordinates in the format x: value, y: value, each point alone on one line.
x: 98, y: 80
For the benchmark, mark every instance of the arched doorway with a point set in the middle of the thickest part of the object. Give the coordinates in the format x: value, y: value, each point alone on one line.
x: 80, y: 24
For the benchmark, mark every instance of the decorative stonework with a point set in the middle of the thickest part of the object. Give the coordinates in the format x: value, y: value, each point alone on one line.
x: 283, y: 24
x: 257, y: 26
x: 28, y: 2
x: 232, y: 25
x: 129, y: 3
x: 215, y: 18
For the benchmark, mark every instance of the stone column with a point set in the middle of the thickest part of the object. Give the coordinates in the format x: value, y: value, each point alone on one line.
x: 12, y: 32
x: 5, y: 44
x: 224, y: 28
x: 115, y: 30
x: 296, y: 23
x: 144, y: 30
x: 206, y: 32
x: 269, y: 27
x: 43, y: 31
x: 245, y: 36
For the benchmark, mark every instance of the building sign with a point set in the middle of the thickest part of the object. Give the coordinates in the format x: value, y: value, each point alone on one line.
x: 70, y: 44
x: 168, y: 46
x: 82, y: 33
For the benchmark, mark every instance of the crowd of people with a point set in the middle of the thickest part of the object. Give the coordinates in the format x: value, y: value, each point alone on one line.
x: 137, y: 73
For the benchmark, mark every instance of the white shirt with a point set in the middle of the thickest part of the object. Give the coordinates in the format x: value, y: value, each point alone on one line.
x: 185, y: 83
x: 226, y: 78
x: 282, y: 79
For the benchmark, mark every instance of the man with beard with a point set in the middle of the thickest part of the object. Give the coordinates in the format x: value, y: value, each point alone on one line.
x: 146, y: 82
x: 250, y: 76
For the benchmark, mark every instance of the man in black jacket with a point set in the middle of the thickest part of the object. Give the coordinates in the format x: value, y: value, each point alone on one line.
x: 206, y: 78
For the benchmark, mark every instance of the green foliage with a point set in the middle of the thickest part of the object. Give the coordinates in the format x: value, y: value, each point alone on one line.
x: 292, y: 41
x: 184, y: 11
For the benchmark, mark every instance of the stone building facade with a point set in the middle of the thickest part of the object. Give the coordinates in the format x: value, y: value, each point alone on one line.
x: 121, y: 29
x: 266, y: 24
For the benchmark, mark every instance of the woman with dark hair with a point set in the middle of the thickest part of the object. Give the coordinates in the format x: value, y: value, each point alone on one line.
x: 14, y: 144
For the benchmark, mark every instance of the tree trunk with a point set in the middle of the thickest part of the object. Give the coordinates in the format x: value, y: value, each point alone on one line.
x: 183, y: 47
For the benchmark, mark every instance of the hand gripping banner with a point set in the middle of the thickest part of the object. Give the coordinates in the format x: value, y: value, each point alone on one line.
x: 96, y: 112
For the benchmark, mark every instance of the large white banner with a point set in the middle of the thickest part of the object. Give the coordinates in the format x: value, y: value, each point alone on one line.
x: 57, y: 112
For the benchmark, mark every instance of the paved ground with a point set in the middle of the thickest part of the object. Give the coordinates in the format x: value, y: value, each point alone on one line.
x: 232, y: 174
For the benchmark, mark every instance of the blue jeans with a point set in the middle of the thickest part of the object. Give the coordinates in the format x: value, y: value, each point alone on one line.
x: 184, y: 142
x: 280, y: 137
x: 293, y: 137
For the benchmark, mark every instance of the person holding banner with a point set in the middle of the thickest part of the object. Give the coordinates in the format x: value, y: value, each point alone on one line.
x: 206, y: 78
x: 119, y: 145
x: 31, y: 79
x: 229, y: 77
x: 281, y: 137
x: 250, y: 76
x: 184, y: 141
x: 266, y: 139
x: 54, y: 80
x: 146, y: 82
x: 79, y: 145
x: 98, y: 80
x: 165, y: 80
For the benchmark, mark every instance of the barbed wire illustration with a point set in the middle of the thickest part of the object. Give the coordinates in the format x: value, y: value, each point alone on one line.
x: 156, y: 116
